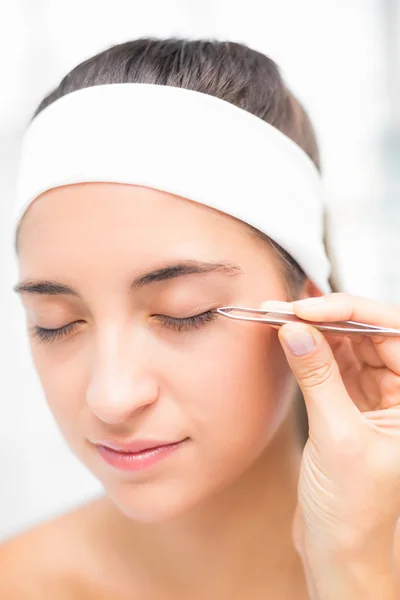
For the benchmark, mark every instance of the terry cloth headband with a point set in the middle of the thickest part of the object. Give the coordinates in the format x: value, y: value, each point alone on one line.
x: 186, y: 143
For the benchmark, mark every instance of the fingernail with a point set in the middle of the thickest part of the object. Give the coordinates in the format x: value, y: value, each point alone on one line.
x: 299, y: 341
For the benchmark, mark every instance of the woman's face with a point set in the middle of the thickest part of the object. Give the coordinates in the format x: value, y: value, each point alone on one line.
x: 127, y: 368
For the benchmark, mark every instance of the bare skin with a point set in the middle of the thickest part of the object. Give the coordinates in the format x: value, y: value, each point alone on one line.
x: 104, y: 556
x: 214, y: 519
x: 209, y: 553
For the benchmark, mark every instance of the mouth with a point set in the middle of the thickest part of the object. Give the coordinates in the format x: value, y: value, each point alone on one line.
x: 137, y: 455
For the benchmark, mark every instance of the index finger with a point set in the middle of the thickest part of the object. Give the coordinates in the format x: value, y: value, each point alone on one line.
x: 340, y: 306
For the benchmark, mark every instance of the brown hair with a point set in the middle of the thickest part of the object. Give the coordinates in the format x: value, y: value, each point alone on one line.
x: 228, y: 70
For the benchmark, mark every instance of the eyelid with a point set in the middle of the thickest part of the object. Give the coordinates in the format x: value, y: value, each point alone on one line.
x: 187, y: 323
x: 201, y: 308
x: 45, y: 335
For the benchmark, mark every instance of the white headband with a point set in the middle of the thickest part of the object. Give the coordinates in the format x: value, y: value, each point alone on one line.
x: 186, y: 143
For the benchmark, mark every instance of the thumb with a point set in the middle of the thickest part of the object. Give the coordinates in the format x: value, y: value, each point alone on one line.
x: 329, y: 406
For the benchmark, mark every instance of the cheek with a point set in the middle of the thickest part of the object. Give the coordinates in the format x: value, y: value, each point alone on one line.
x: 227, y: 390
x: 235, y: 388
x: 229, y: 386
x: 62, y: 378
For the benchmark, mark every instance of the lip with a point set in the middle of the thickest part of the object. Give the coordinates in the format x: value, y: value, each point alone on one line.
x: 135, y: 446
x: 136, y: 455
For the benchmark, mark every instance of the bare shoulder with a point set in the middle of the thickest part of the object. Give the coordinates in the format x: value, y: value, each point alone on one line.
x: 49, y: 560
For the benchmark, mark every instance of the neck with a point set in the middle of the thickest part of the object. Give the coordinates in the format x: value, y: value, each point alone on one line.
x: 243, y: 534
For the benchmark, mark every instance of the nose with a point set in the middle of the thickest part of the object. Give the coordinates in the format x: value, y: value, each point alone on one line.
x: 121, y: 382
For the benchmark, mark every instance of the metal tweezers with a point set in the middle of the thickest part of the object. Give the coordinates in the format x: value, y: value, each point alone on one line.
x: 280, y: 317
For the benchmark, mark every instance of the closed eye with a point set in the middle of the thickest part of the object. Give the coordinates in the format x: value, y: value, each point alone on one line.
x: 187, y: 323
x: 44, y: 335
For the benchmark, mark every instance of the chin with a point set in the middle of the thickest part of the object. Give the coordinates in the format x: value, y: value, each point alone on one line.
x: 156, y: 506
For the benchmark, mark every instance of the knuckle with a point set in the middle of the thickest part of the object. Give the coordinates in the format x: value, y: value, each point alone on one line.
x: 318, y: 373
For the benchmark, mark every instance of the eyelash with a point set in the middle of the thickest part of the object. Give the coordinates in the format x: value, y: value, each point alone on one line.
x: 43, y: 335
x: 51, y: 335
x: 188, y: 323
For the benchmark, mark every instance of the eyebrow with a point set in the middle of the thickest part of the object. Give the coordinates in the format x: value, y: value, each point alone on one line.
x: 172, y: 271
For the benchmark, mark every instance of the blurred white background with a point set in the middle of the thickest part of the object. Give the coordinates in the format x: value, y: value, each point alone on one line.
x: 341, y: 58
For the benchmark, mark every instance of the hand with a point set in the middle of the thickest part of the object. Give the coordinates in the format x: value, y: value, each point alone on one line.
x: 349, y: 484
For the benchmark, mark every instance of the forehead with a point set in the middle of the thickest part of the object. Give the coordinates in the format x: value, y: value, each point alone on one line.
x: 87, y: 233
x: 103, y: 218
x: 107, y: 203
